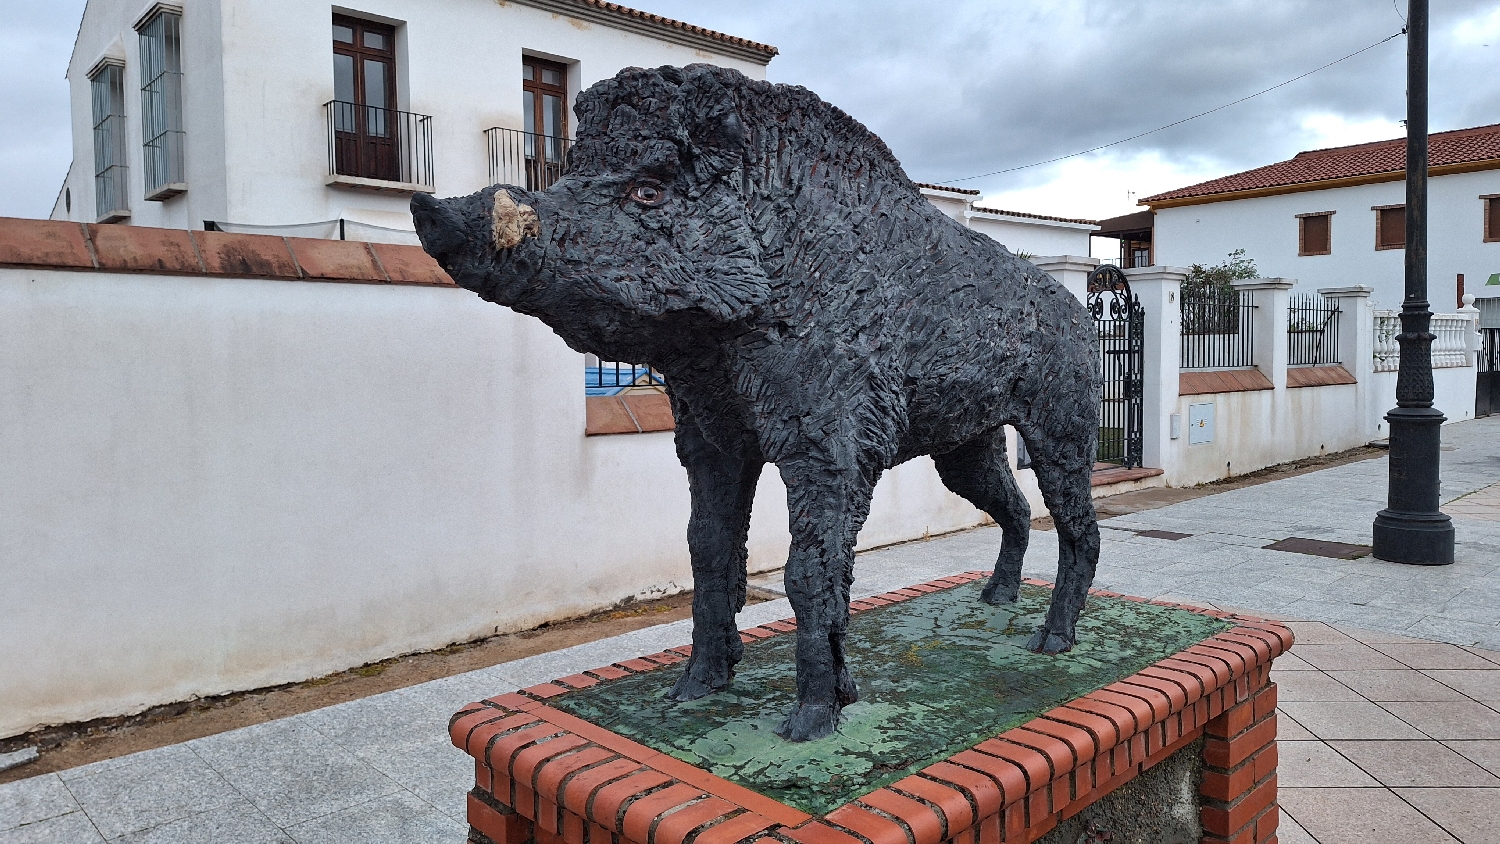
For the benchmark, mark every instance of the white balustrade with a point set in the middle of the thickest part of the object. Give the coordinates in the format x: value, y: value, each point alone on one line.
x: 1450, y: 348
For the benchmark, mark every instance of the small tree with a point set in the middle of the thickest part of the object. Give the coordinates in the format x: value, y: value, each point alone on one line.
x: 1209, y: 302
x: 1220, y: 277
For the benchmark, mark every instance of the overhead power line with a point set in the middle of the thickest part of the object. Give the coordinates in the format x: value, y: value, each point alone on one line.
x: 1183, y: 120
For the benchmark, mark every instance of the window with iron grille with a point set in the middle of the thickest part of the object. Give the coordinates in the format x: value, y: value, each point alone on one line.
x: 1314, y: 233
x: 111, y: 187
x: 1491, y: 218
x: 161, y: 105
x: 1390, y: 227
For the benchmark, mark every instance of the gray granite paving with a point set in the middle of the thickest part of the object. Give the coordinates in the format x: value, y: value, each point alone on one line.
x: 1392, y: 701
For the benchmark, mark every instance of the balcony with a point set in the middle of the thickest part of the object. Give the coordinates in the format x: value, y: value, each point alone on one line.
x: 526, y: 159
x: 378, y: 148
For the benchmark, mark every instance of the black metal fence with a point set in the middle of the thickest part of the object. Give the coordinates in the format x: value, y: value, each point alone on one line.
x: 1218, y: 328
x: 379, y: 143
x: 608, y: 378
x: 526, y: 159
x: 1312, y: 331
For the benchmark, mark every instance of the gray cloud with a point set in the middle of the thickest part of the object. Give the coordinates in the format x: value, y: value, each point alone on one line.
x: 35, y: 138
x: 961, y: 88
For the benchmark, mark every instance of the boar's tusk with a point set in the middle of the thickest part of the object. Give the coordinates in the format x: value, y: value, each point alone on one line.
x: 513, y: 223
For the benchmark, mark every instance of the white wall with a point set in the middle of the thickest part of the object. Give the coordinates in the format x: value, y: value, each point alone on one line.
x: 1032, y: 236
x: 219, y: 484
x: 1266, y: 228
x: 257, y: 73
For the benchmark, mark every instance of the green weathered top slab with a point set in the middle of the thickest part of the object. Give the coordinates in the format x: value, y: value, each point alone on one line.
x: 936, y: 674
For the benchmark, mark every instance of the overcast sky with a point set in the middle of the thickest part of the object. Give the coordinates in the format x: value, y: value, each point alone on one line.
x: 958, y: 88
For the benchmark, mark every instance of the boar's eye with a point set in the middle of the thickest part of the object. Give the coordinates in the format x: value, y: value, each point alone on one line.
x: 648, y: 193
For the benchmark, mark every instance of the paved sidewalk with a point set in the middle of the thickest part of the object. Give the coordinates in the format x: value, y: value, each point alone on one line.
x: 381, y: 769
x: 1385, y: 738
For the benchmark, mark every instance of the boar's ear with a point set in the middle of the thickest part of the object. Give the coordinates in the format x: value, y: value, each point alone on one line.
x: 707, y: 111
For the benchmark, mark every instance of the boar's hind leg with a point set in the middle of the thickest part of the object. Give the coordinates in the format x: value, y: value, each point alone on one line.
x: 722, y: 486
x: 979, y: 471
x: 1063, y: 459
x: 827, y: 507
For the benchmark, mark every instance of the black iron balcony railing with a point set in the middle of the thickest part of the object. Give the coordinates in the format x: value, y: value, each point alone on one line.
x: 526, y: 159
x: 1312, y: 331
x: 381, y: 144
x: 608, y: 378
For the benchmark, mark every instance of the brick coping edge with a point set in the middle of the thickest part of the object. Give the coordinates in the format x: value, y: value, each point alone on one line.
x: 545, y: 773
x: 93, y: 247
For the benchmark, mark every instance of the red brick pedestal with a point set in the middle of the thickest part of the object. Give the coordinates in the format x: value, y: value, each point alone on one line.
x: 546, y: 776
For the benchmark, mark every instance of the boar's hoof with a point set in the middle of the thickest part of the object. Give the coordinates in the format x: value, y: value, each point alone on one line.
x: 1044, y: 641
x: 844, y: 689
x: 513, y: 223
x: 810, y: 721
x: 997, y: 592
x: 691, y: 686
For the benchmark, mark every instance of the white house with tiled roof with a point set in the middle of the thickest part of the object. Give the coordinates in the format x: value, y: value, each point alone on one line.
x: 322, y: 120
x: 1021, y: 231
x: 1335, y: 217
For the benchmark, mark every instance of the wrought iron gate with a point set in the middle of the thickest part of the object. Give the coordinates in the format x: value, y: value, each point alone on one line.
x: 1120, y: 356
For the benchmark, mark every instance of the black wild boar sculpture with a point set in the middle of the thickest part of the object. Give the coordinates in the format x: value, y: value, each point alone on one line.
x: 808, y: 308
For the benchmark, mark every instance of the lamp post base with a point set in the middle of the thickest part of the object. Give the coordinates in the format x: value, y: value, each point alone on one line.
x: 1419, y: 539
x: 1411, y: 529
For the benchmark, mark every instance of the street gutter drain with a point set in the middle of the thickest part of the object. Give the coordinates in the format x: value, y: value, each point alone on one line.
x: 1320, y: 548
x: 1162, y: 534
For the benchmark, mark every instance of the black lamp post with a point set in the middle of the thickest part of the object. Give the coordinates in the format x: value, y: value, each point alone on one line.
x: 1411, y: 529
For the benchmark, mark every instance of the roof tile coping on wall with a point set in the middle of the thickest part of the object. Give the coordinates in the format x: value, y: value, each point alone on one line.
x: 62, y: 245
x: 1318, y: 376
x: 628, y: 413
x: 564, y: 773
x: 1198, y: 383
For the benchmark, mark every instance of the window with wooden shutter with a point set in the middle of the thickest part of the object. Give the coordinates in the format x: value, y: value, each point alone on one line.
x: 1390, y: 227
x: 1314, y: 233
x: 1491, y: 218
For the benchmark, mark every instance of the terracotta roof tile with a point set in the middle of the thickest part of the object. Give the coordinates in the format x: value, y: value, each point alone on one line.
x: 657, y: 20
x: 948, y: 188
x: 1462, y: 146
x: 1036, y: 216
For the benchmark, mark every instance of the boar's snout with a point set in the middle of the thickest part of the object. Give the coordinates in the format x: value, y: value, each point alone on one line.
x: 458, y: 230
x: 513, y: 222
x: 440, y: 226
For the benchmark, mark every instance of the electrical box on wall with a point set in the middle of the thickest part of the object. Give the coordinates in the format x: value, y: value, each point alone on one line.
x: 1200, y: 423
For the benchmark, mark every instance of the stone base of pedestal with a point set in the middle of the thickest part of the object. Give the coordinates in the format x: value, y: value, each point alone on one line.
x: 1201, y: 718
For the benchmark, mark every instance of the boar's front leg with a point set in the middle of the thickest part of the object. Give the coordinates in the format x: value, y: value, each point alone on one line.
x: 722, y: 486
x: 827, y: 505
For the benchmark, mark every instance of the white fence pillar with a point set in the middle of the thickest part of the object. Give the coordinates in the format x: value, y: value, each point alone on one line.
x: 1475, y: 338
x: 1159, y: 290
x: 1270, y: 296
x: 1357, y: 348
x: 1071, y: 271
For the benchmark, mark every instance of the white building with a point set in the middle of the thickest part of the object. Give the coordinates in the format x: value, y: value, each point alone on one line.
x: 275, y: 113
x: 1027, y: 234
x: 1336, y: 217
